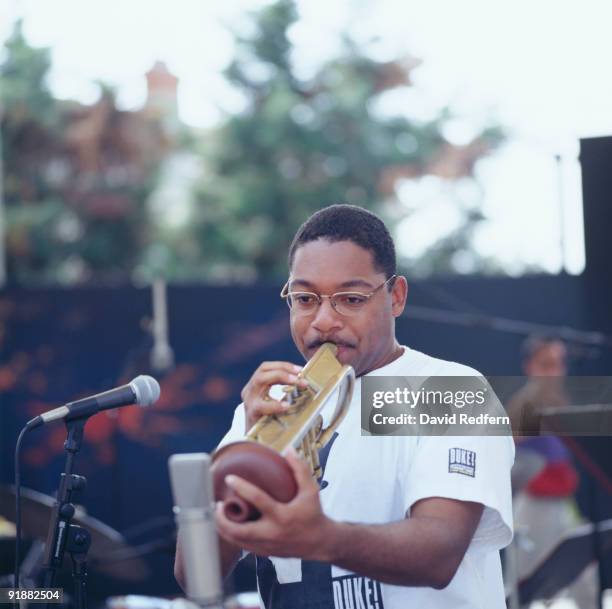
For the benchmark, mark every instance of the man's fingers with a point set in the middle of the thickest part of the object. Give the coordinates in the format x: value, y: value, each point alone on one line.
x: 300, y: 469
x: 235, y: 532
x: 286, y: 366
x: 263, y: 407
x: 262, y: 381
x: 251, y: 493
x: 255, y: 395
x: 259, y: 408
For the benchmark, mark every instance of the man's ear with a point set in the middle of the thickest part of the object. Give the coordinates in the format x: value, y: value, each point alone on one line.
x: 399, y: 294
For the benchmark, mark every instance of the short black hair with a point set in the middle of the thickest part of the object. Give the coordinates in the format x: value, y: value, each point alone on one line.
x: 533, y: 343
x: 343, y: 222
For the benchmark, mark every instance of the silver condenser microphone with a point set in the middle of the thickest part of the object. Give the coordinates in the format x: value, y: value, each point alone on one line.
x: 194, y: 509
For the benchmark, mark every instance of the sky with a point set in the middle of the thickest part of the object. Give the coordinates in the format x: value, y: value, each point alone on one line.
x: 540, y: 69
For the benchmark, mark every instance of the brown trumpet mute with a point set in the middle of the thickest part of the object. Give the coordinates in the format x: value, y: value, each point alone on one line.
x: 258, y: 464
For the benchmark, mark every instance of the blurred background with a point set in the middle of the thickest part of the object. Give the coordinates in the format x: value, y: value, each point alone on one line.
x: 157, y: 158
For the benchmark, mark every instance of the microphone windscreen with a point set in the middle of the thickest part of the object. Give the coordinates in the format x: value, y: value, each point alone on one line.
x: 191, y: 480
x: 146, y: 389
x: 192, y: 490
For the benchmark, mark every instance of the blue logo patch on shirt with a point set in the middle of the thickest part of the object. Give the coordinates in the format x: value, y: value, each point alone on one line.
x: 461, y: 461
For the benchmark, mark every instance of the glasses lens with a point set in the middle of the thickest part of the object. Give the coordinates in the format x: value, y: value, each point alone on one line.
x: 349, y: 303
x: 302, y: 302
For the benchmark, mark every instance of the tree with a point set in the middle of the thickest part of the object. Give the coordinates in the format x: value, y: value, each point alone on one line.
x: 300, y: 144
x: 29, y: 116
x: 76, y: 177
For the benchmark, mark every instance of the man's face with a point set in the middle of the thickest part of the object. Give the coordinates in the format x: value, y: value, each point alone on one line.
x: 366, y: 339
x: 549, y: 360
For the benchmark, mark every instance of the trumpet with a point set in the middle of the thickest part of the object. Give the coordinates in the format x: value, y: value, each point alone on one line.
x: 258, y: 457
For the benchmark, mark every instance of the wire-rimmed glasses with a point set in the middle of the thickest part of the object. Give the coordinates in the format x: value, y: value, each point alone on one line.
x: 345, y: 303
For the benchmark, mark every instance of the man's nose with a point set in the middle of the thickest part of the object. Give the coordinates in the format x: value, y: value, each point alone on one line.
x: 326, y: 318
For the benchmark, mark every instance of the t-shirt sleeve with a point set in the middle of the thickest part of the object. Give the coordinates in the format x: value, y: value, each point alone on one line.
x: 467, y: 468
x: 236, y: 431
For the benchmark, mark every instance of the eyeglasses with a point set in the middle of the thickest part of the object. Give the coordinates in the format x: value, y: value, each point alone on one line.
x: 345, y: 303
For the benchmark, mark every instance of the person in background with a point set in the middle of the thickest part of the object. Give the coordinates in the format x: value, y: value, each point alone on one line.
x: 544, y: 478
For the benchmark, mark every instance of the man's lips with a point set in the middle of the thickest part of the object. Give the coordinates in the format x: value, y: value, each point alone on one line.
x: 342, y: 346
x: 342, y: 352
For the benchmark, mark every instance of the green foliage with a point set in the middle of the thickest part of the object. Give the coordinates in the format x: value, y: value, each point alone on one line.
x: 23, y: 87
x: 76, y: 178
x: 299, y: 145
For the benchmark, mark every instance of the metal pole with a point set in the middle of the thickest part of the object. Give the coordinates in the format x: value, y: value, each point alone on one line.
x: 2, y: 214
x: 561, y: 202
x: 162, y: 356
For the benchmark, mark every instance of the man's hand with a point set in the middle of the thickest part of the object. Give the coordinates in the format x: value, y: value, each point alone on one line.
x: 297, y: 528
x: 257, y: 403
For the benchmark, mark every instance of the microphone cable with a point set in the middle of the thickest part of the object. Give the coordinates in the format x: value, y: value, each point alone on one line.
x: 16, y: 582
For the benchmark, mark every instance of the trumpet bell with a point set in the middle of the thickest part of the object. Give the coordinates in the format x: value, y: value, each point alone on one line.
x: 260, y: 465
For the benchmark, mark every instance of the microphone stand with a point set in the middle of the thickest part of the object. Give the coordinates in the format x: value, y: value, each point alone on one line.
x: 63, y: 535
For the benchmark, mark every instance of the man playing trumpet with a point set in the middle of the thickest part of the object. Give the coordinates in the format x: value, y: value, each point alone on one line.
x: 390, y: 525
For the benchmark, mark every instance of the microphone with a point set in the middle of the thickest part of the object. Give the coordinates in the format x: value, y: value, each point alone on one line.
x: 194, y: 509
x: 143, y: 390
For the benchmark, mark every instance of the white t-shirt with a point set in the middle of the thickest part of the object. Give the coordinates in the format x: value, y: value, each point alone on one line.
x: 375, y: 480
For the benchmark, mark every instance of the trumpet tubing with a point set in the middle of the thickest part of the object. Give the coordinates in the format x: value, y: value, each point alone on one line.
x: 301, y: 425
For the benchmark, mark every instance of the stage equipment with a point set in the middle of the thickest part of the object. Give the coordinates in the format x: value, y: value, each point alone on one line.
x: 63, y: 535
x: 162, y: 355
x: 106, y: 543
x: 595, y: 154
x: 583, y: 420
x: 194, y: 509
x: 565, y: 562
x: 142, y: 391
